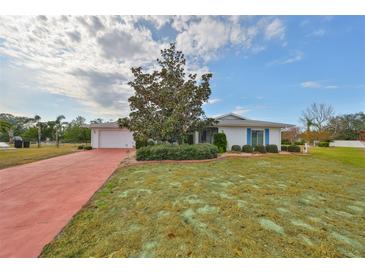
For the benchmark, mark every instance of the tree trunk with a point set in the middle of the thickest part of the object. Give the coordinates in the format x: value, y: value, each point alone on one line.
x: 39, y: 137
x: 11, y: 136
x: 57, y: 140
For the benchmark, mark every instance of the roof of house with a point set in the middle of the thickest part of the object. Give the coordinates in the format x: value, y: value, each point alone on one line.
x: 105, y: 125
x: 235, y: 120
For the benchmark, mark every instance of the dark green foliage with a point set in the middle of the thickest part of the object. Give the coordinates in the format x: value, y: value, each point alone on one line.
x: 260, y: 148
x: 80, y: 147
x: 30, y: 134
x: 150, y: 143
x: 247, y: 148
x: 299, y: 143
x: 236, y: 148
x: 294, y: 148
x: 167, y: 103
x: 141, y: 143
x: 284, y: 148
x: 272, y: 148
x: 324, y: 144
x: 285, y: 142
x: 177, y: 152
x: 190, y: 139
x: 88, y: 147
x: 220, y: 141
x: 347, y: 126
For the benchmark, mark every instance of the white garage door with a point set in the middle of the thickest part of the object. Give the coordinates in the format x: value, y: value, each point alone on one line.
x: 115, y: 139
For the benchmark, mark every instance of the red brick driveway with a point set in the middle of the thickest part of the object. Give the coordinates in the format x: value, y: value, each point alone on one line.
x: 38, y: 199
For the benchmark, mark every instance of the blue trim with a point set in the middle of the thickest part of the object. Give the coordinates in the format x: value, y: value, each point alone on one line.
x: 249, y: 136
x: 267, y: 136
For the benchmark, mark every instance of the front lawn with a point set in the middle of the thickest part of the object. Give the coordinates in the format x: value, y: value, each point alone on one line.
x: 13, y: 157
x: 270, y: 206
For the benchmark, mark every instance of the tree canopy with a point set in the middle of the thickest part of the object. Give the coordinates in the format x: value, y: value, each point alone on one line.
x: 167, y: 103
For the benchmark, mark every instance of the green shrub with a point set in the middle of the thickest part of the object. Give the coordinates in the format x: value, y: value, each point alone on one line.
x: 247, y: 148
x: 294, y: 148
x: 260, y: 148
x: 141, y: 143
x: 324, y: 144
x: 220, y: 141
x: 284, y: 148
x: 299, y: 143
x: 285, y: 142
x: 272, y: 148
x: 177, y: 152
x: 88, y: 147
x: 80, y: 147
x: 150, y: 143
x: 236, y: 148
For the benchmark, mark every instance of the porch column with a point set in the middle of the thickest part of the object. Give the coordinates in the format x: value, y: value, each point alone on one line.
x: 196, y: 137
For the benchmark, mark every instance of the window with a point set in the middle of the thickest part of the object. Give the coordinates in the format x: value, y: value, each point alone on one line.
x: 257, y: 137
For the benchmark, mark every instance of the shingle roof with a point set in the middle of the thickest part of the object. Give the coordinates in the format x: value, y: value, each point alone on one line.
x: 105, y: 125
x: 243, y: 122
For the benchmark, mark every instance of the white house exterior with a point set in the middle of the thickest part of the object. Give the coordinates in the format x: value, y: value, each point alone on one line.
x: 110, y: 135
x: 241, y: 131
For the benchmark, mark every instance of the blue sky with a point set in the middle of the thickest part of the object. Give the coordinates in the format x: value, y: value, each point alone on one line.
x: 268, y: 68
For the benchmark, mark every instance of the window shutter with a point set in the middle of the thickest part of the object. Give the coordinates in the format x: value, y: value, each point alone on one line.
x: 249, y: 136
x: 267, y: 136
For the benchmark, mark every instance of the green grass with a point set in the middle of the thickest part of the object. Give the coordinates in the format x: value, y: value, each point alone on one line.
x: 346, y: 155
x: 271, y: 206
x: 13, y: 157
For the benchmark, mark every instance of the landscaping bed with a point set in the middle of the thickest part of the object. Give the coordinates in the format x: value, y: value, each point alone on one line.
x: 276, y: 206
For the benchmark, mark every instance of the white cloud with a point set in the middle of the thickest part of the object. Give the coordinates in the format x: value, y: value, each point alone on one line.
x: 311, y: 84
x: 318, y: 85
x: 88, y: 58
x: 213, y: 101
x: 294, y: 57
x: 241, y: 110
x: 275, y: 29
x: 317, y: 33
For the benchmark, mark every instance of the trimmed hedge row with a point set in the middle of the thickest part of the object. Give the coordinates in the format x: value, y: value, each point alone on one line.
x: 86, y: 147
x: 260, y: 148
x: 236, y: 148
x: 291, y: 148
x: 272, y: 148
x: 247, y: 148
x: 177, y: 152
x: 324, y: 144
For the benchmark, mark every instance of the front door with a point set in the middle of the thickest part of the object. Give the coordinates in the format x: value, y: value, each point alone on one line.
x: 257, y: 137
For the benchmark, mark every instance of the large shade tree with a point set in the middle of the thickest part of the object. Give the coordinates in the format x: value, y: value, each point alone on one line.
x: 167, y: 104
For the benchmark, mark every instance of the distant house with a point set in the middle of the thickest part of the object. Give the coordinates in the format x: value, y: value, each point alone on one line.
x: 242, y: 131
x: 238, y: 130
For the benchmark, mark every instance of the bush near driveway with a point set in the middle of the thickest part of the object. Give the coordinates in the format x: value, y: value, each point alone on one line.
x: 284, y: 148
x: 177, y: 152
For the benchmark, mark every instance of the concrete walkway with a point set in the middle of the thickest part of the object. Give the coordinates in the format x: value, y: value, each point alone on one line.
x: 38, y: 199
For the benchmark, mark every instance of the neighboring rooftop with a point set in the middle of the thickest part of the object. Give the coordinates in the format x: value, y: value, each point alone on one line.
x: 105, y: 125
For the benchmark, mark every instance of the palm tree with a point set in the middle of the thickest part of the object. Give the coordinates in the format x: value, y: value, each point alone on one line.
x: 58, y: 128
x: 8, y: 128
x: 36, y: 120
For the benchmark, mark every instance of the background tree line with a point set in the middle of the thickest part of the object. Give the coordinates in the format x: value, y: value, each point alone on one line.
x: 321, y: 124
x: 35, y: 130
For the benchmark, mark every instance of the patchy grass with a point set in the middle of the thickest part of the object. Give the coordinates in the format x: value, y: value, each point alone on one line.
x: 13, y: 157
x: 274, y: 206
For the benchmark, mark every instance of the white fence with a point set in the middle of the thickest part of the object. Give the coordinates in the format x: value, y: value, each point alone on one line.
x: 347, y: 143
